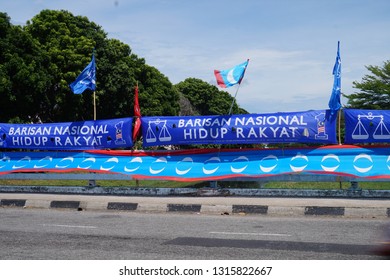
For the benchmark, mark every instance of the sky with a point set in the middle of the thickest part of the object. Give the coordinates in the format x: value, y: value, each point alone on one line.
x: 291, y: 45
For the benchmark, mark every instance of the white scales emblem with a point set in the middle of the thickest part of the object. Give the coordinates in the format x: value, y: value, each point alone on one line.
x: 381, y: 131
x: 164, y: 135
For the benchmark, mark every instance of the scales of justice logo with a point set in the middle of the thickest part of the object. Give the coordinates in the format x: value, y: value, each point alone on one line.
x: 163, y: 135
x: 360, y: 131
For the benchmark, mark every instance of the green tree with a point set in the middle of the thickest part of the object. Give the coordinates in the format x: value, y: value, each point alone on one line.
x: 207, y: 99
x: 158, y: 97
x: 68, y: 42
x: 40, y: 60
x: 23, y: 74
x: 115, y: 79
x: 374, y: 89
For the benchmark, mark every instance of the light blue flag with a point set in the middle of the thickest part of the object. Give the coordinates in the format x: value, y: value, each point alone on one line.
x: 86, y: 79
x: 232, y: 76
x: 334, y: 102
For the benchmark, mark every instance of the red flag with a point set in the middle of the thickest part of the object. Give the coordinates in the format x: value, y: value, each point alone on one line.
x: 137, y: 111
x: 137, y: 115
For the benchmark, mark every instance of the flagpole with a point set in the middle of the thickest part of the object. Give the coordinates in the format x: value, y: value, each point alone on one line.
x: 94, y: 105
x: 339, y: 114
x: 231, y: 106
x: 94, y: 93
x: 136, y: 180
x: 239, y: 84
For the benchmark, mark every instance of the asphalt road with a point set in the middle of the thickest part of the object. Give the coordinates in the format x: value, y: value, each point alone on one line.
x: 67, y: 234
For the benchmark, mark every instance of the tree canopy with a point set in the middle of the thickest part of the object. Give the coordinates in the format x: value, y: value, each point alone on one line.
x: 374, y: 89
x: 24, y: 73
x: 39, y: 60
x: 207, y: 99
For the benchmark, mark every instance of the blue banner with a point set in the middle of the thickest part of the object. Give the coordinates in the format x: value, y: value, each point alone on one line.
x: 368, y: 163
x: 101, y: 134
x: 367, y: 126
x: 299, y: 127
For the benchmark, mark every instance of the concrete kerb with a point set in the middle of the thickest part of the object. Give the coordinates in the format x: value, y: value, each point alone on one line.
x: 289, y: 211
x: 206, y: 205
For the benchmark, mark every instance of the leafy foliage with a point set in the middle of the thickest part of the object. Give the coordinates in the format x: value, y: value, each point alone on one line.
x: 39, y: 60
x: 206, y: 98
x: 23, y: 74
x: 374, y: 89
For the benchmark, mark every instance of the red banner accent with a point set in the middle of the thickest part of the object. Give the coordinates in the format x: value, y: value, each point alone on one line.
x: 137, y: 115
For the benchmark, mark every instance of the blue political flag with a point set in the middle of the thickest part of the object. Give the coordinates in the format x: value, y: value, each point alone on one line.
x: 334, y: 102
x: 232, y: 76
x: 86, y: 79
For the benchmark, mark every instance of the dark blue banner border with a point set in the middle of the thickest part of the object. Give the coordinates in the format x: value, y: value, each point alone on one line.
x: 100, y: 134
x: 316, y: 126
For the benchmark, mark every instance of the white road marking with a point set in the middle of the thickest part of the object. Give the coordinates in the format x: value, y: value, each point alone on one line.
x: 250, y: 233
x: 67, y: 226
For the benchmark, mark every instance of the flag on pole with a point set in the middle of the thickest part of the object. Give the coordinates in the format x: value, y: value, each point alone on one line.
x: 137, y: 115
x: 334, y: 102
x: 232, y: 76
x: 86, y: 79
x: 137, y: 110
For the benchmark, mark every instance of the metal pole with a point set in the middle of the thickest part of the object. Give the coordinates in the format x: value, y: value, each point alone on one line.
x: 339, y: 115
x: 94, y: 105
x: 231, y: 106
x: 239, y: 84
x: 92, y: 182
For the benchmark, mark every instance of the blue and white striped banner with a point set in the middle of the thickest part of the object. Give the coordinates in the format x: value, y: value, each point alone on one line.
x: 200, y: 165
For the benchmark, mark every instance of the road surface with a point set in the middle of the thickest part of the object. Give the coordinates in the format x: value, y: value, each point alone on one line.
x: 27, y: 234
